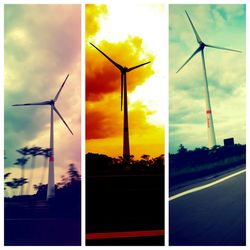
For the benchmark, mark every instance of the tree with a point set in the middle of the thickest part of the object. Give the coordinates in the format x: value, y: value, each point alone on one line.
x: 46, y: 152
x: 15, y: 183
x: 23, y: 151
x: 145, y: 161
x: 34, y: 151
x: 182, y: 150
x: 145, y: 157
x: 6, y: 175
x: 21, y: 162
x: 73, y: 173
x: 41, y: 190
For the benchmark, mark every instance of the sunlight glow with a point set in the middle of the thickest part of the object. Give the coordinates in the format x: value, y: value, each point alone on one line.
x: 149, y: 23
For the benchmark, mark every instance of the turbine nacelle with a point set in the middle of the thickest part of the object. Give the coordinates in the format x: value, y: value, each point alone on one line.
x: 209, y: 117
x: 125, y: 69
x: 51, y: 103
x: 202, y: 45
x: 122, y: 69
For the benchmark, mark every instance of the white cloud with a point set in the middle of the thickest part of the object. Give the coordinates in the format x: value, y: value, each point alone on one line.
x: 225, y: 70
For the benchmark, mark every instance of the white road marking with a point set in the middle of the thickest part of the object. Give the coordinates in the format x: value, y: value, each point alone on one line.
x: 192, y: 190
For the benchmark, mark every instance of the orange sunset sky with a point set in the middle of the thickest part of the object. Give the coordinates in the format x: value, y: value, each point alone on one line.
x: 129, y: 39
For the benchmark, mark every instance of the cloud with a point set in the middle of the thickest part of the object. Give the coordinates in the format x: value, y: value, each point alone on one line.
x: 129, y: 42
x: 103, y: 80
x: 225, y: 70
x: 102, y: 77
x: 41, y: 48
x: 93, y: 13
x: 104, y: 119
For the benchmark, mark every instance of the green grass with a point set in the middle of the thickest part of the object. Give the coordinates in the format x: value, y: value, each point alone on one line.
x: 179, y: 175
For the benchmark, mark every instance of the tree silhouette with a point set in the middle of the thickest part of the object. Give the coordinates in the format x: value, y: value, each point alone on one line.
x: 145, y: 161
x: 67, y: 190
x: 21, y: 162
x: 72, y: 177
x: 41, y: 190
x: 34, y: 151
x: 15, y: 183
x: 190, y: 164
x: 23, y: 151
x: 182, y: 150
x: 73, y: 173
x: 46, y: 152
x: 6, y: 175
x: 99, y: 164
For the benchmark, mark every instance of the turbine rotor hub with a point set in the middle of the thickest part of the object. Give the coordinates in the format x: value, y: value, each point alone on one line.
x: 202, y: 45
x: 125, y: 69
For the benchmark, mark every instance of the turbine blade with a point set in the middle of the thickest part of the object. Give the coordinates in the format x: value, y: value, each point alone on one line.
x: 59, y: 91
x: 33, y: 103
x: 216, y: 47
x: 135, y: 67
x: 122, y: 78
x: 196, y: 51
x: 112, y: 61
x: 195, y: 31
x: 55, y: 109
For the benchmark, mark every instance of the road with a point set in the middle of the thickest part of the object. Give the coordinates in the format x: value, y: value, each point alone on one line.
x: 35, y: 223
x: 214, y: 216
x: 42, y: 232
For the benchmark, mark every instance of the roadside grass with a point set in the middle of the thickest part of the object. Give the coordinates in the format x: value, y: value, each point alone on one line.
x: 188, y: 172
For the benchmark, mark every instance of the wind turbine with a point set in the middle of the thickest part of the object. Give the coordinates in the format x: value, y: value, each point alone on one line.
x: 51, y: 179
x: 124, y: 71
x: 209, y: 116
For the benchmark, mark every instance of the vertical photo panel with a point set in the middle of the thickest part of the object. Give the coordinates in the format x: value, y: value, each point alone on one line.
x: 207, y: 132
x: 125, y: 118
x: 42, y: 125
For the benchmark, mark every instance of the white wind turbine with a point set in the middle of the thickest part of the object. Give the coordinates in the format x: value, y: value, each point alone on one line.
x: 124, y: 71
x: 51, y: 179
x: 209, y: 117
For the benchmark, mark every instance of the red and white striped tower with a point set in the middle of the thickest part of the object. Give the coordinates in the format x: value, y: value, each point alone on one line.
x: 51, y: 177
x: 209, y: 116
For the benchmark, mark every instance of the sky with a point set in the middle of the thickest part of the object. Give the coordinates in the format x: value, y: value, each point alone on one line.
x: 129, y: 34
x: 42, y: 44
x: 219, y: 25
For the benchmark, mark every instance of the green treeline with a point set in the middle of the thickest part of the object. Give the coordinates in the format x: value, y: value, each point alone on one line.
x: 190, y: 164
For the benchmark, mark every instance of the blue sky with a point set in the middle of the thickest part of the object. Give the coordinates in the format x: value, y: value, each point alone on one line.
x: 221, y: 25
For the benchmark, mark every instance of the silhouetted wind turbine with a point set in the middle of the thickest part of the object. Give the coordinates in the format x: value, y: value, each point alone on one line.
x: 124, y: 71
x: 209, y: 117
x: 51, y: 179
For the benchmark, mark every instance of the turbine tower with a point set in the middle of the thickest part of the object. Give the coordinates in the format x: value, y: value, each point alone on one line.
x: 124, y: 71
x: 209, y: 116
x: 51, y: 178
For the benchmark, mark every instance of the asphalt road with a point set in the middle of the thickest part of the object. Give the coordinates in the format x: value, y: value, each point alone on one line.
x: 42, y: 232
x: 215, y: 216
x: 35, y: 223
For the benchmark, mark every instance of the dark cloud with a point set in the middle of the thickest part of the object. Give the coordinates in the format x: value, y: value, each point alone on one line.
x: 103, y: 77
